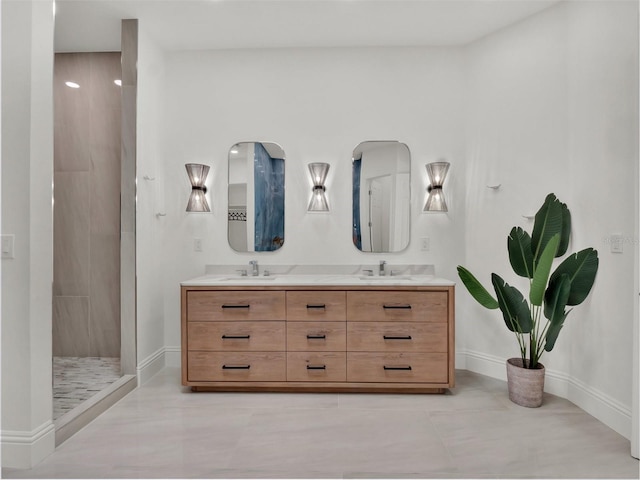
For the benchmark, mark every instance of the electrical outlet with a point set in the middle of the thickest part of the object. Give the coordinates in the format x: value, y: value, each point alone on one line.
x: 197, y: 244
x: 425, y: 244
x: 616, y: 243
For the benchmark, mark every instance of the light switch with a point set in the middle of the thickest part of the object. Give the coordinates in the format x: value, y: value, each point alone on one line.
x: 7, y: 246
x: 616, y: 242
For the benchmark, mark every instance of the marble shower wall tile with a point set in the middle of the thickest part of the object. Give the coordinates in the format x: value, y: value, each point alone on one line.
x: 71, y: 234
x: 128, y: 303
x: 129, y: 46
x: 72, y: 120
x: 105, y: 191
x: 104, y: 323
x: 128, y: 155
x: 105, y: 102
x: 71, y: 326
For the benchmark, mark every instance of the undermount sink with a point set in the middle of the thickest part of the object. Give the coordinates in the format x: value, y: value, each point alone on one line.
x: 390, y: 278
x: 248, y: 279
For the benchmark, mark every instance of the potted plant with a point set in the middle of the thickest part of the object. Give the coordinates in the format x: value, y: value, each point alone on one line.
x: 537, y: 320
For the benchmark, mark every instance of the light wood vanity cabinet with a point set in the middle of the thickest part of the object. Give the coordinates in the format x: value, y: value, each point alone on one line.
x: 302, y: 338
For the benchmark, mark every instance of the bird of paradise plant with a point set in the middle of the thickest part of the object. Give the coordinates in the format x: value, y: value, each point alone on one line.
x: 538, y: 321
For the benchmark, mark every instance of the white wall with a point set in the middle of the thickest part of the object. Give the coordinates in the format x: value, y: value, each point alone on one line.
x: 150, y: 248
x: 554, y: 109
x: 318, y: 105
x: 27, y: 175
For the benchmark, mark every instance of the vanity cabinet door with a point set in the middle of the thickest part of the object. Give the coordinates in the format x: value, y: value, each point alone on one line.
x: 316, y: 367
x: 236, y: 336
x: 207, y: 306
x: 386, y: 306
x: 316, y: 336
x: 397, y: 367
x: 397, y: 337
x: 329, y: 306
x: 237, y: 366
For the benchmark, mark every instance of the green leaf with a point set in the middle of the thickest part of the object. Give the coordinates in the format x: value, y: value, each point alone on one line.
x: 542, y: 271
x: 515, y: 309
x: 475, y: 288
x: 520, y: 256
x: 553, y: 332
x: 555, y: 301
x: 548, y: 222
x: 581, y: 268
x: 566, y: 231
x: 556, y: 297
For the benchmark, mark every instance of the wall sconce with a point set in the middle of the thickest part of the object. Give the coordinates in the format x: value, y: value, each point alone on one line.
x: 197, y: 176
x: 318, y: 201
x: 437, y: 171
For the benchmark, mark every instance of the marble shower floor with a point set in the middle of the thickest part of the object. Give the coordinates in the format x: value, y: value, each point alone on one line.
x: 76, y: 379
x: 163, y: 430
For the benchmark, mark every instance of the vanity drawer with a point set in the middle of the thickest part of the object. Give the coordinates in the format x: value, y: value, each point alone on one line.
x: 237, y: 336
x: 203, y: 306
x: 387, y: 306
x: 316, y: 305
x: 396, y: 337
x: 237, y: 366
x: 397, y: 367
x: 316, y: 336
x: 316, y: 367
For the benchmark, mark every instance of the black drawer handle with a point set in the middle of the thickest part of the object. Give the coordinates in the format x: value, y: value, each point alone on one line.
x: 397, y: 337
x: 408, y: 367
x: 316, y: 367
x: 236, y: 306
x: 318, y: 306
x: 236, y: 367
x: 317, y: 337
x: 235, y: 337
x: 397, y: 307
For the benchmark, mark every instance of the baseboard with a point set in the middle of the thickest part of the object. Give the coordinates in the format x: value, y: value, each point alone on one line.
x: 151, y: 365
x: 173, y: 356
x: 26, y: 449
x: 596, y: 403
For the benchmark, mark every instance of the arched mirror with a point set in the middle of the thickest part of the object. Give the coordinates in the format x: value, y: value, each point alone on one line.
x: 381, y: 196
x: 256, y: 197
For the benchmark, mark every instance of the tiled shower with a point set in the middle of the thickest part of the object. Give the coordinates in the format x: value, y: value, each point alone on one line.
x: 86, y: 287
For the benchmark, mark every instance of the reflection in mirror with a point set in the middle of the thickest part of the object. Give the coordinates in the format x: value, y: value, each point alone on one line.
x: 381, y: 196
x: 256, y: 197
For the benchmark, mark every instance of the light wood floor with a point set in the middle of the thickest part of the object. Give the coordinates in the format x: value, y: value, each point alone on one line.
x: 162, y: 430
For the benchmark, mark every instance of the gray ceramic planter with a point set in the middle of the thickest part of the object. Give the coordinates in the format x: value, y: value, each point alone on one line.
x: 525, y: 385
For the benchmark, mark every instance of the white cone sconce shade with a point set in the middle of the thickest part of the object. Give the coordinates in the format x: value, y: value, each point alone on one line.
x: 318, y: 201
x: 197, y: 176
x: 437, y: 172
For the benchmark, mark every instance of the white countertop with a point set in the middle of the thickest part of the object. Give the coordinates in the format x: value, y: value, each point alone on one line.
x: 317, y: 279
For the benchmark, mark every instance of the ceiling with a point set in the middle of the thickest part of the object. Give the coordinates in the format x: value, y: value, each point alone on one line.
x: 94, y: 25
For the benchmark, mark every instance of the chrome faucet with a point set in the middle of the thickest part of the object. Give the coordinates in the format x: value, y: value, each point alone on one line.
x: 254, y: 265
x: 381, y: 269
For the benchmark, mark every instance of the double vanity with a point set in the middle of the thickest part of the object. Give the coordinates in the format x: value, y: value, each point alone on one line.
x: 318, y: 328
x: 347, y: 329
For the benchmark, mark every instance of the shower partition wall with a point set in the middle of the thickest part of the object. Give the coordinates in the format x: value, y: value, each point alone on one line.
x: 86, y: 288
